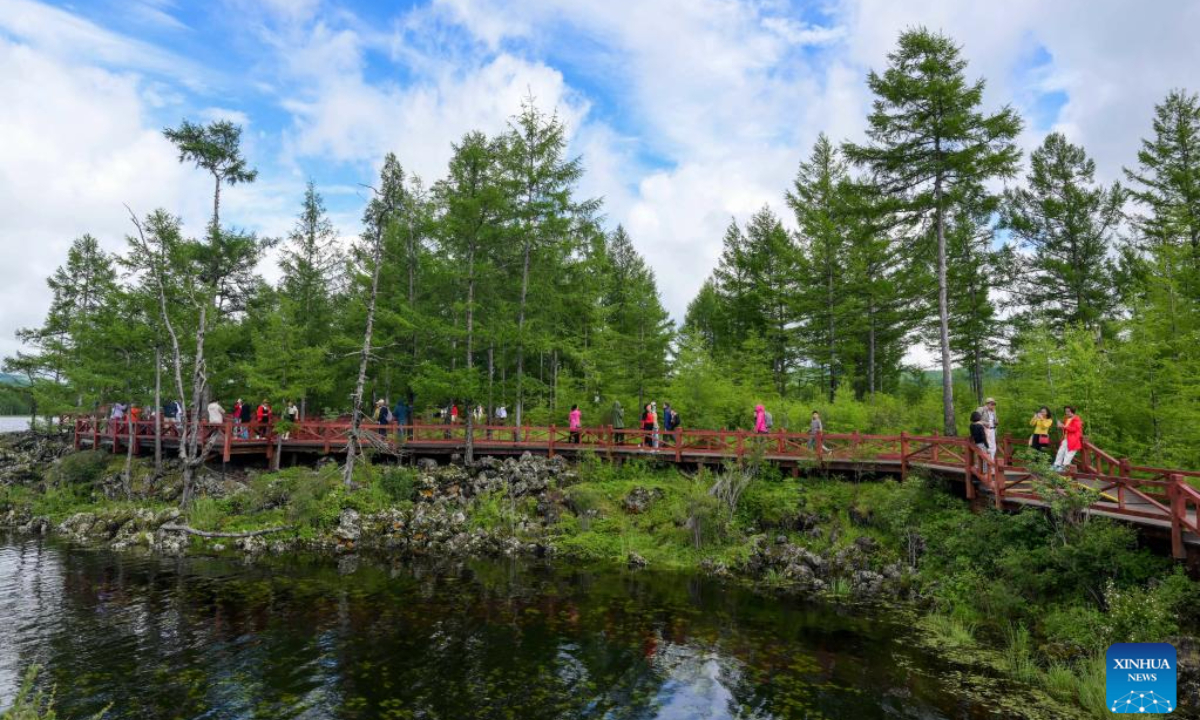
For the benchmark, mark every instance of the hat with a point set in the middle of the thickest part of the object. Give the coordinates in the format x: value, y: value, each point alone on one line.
x: 990, y: 401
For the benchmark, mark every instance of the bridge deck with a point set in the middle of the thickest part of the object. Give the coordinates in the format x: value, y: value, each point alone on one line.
x: 1159, y: 499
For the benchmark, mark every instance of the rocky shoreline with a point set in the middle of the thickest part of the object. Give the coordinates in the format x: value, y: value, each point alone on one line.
x: 439, y: 524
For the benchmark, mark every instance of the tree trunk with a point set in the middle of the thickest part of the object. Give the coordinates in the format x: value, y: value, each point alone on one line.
x: 157, y: 411
x: 127, y: 476
x: 469, y: 450
x: 520, y: 403
x: 352, y: 441
x: 870, y: 348
x: 949, y: 427
x: 832, y: 329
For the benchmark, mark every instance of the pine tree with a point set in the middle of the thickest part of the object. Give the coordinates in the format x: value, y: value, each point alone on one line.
x: 640, y: 328
x: 310, y: 266
x: 1065, y: 222
x: 817, y: 200
x: 930, y: 148
x: 1167, y: 184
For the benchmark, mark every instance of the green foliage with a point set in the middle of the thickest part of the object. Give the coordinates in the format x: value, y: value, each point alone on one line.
x: 81, y: 468
x: 35, y: 704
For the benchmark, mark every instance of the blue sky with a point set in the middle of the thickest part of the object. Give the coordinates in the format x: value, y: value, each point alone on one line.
x: 687, y: 112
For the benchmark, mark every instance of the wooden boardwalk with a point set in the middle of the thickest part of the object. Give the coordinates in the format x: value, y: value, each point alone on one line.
x: 1161, y: 500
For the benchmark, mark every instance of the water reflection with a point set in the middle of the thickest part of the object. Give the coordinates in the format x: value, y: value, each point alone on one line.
x: 218, y: 639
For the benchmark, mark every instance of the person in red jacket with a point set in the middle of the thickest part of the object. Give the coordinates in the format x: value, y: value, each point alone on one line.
x: 263, y: 418
x: 1072, y: 429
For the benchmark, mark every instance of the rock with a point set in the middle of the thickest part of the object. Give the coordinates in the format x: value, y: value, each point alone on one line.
x: 714, y: 568
x: 636, y: 562
x: 427, y: 464
x: 866, y: 544
x: 866, y: 583
x: 861, y: 518
x: 349, y: 528
x: 639, y: 499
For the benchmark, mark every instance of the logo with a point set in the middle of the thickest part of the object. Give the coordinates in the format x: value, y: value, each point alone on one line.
x: 1140, y: 677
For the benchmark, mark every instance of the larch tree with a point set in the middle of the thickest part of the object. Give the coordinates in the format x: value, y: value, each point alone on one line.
x: 1064, y: 224
x: 930, y: 147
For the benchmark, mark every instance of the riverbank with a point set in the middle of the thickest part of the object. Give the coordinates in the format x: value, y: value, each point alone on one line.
x: 1030, y: 597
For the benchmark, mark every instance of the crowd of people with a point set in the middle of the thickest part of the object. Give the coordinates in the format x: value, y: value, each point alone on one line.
x: 657, y: 428
x: 984, y: 422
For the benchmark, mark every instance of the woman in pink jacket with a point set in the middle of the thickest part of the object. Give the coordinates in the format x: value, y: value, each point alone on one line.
x: 576, y: 420
x: 760, y: 419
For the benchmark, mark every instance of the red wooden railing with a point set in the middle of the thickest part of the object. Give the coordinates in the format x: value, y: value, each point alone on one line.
x: 1147, y: 495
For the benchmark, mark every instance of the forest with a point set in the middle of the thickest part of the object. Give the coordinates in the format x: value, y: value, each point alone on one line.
x: 1030, y: 280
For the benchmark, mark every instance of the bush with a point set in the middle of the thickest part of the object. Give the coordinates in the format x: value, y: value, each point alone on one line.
x: 81, y: 468
x: 398, y: 483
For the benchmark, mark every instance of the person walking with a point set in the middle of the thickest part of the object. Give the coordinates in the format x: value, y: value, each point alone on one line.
x: 654, y: 424
x: 402, y: 414
x: 987, y: 414
x: 1072, y: 442
x: 617, y: 420
x: 170, y: 413
x: 575, y: 421
x: 1041, y: 422
x: 291, y: 414
x: 816, y: 429
x: 648, y: 426
x: 979, y: 433
x: 453, y: 413
x: 116, y: 418
x: 760, y: 419
x: 478, y: 414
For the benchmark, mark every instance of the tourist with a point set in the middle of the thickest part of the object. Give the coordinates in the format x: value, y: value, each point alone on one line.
x: 648, y: 426
x: 979, y: 433
x: 502, y: 415
x: 617, y: 420
x: 478, y: 414
x: 116, y: 418
x: 1041, y: 423
x: 170, y: 412
x: 1072, y: 430
x: 262, y: 418
x: 454, y: 412
x: 383, y: 416
x: 654, y: 421
x: 245, y: 415
x: 291, y: 414
x: 216, y: 413
x: 760, y: 419
x: 575, y: 421
x: 402, y: 414
x: 237, y: 417
x: 816, y: 429
x: 670, y: 421
x: 987, y: 415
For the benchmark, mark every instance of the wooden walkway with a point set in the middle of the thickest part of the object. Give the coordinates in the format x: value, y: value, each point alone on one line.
x: 1158, y: 499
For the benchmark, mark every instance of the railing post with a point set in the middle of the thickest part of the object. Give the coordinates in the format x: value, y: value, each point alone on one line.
x: 904, y: 456
x: 227, y: 446
x: 95, y: 433
x: 1085, y: 456
x: 1178, y: 510
x: 998, y: 480
x: 937, y: 446
x: 821, y: 447
x: 678, y: 445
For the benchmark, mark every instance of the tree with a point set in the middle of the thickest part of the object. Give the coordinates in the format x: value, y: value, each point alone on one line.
x: 639, y: 328
x: 310, y: 265
x: 222, y: 264
x: 931, y: 147
x: 817, y: 200
x: 543, y: 207
x: 1065, y: 222
x: 475, y: 205
x: 1167, y: 184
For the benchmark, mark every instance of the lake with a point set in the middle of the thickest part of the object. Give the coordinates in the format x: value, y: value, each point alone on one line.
x: 220, y: 638
x: 10, y: 423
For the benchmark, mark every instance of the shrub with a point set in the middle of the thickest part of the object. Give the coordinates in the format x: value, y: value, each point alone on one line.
x: 398, y: 483
x: 81, y: 468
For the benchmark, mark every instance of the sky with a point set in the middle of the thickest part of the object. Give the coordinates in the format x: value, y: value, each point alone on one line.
x: 687, y: 113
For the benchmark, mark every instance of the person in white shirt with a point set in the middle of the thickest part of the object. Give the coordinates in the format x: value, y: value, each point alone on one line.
x: 216, y: 413
x: 988, y: 414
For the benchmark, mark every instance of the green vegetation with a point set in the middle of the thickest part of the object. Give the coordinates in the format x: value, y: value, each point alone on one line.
x: 30, y: 704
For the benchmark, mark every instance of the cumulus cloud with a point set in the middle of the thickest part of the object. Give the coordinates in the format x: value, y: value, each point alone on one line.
x: 687, y: 112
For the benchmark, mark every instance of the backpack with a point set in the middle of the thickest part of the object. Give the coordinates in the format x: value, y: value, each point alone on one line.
x: 770, y: 420
x: 674, y: 420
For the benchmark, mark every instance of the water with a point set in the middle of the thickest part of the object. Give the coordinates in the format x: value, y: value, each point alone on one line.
x: 10, y: 423
x: 215, y: 638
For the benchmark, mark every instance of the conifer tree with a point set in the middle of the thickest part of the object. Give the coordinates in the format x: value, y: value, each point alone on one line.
x: 930, y: 148
x: 1065, y: 222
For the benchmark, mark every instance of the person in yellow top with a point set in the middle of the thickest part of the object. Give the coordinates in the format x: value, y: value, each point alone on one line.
x: 1041, y: 423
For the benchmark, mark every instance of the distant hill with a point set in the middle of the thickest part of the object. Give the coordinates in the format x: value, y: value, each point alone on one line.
x: 7, y: 379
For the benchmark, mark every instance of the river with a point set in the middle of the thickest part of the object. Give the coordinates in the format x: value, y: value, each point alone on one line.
x: 220, y: 638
